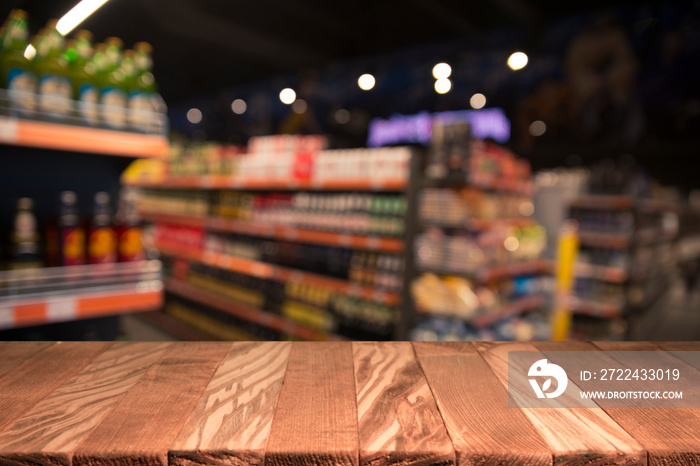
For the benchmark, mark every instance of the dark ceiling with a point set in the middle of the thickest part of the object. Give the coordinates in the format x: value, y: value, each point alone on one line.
x: 206, y: 45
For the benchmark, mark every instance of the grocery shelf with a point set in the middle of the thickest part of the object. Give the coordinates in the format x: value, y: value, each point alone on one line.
x: 38, y: 296
x: 603, y: 202
x: 496, y: 272
x: 24, y: 312
x: 173, y: 326
x: 278, y: 273
x: 56, y: 136
x: 511, y: 309
x: 497, y: 313
x: 248, y: 313
x: 597, y: 272
x: 496, y: 183
x: 373, y: 243
x: 481, y: 224
x: 653, y: 236
x: 267, y: 184
x: 593, y: 308
x: 604, y: 240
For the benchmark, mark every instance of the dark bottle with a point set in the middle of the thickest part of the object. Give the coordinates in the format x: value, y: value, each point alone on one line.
x: 102, y: 240
x: 24, y: 238
x: 129, y: 235
x: 71, y: 235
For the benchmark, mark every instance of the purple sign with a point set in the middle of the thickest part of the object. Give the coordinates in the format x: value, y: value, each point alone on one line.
x: 398, y: 129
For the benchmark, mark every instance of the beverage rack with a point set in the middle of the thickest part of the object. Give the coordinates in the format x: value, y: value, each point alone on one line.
x: 626, y: 262
x: 44, y: 154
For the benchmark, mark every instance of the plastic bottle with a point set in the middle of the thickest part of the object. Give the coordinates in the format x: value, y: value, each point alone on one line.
x: 83, y: 72
x: 18, y: 76
x: 111, y: 81
x: 54, y: 87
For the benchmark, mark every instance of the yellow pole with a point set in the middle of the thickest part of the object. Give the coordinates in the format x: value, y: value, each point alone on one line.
x: 566, y: 257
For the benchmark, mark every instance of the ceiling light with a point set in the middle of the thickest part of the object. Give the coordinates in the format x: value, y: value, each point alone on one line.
x: 537, y: 128
x: 342, y: 116
x: 239, y: 106
x: 77, y: 15
x: 299, y: 106
x: 443, y: 86
x: 442, y: 70
x: 517, y: 61
x: 366, y: 82
x: 194, y: 115
x: 478, y: 101
x: 288, y: 96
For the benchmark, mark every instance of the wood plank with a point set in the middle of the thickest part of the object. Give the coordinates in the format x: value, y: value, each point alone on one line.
x: 315, y: 423
x: 670, y: 436
x: 231, y: 422
x: 474, y: 407
x: 398, y: 420
x: 139, y: 430
x: 12, y: 354
x: 53, y: 428
x: 688, y: 351
x: 35, y: 378
x: 574, y: 435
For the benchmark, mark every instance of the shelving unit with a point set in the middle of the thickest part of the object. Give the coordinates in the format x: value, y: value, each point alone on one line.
x: 50, y: 155
x: 279, y: 273
x: 248, y: 313
x: 56, y: 294
x: 376, y: 182
x: 642, y: 264
x: 370, y: 243
x: 447, y: 211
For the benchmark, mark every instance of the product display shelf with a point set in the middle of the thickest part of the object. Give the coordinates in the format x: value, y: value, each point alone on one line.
x: 643, y: 283
x: 69, y: 133
x: 173, y: 326
x: 498, y: 271
x: 371, y: 243
x: 434, y: 215
x: 278, y: 273
x: 38, y: 296
x: 489, y: 317
x: 265, y: 319
x: 267, y: 184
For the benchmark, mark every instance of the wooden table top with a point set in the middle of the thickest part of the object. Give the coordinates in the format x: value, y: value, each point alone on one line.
x: 310, y: 404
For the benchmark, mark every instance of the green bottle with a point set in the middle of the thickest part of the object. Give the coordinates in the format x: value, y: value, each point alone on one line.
x: 17, y: 74
x: 54, y: 84
x: 84, y: 74
x: 111, y: 81
x: 144, y: 100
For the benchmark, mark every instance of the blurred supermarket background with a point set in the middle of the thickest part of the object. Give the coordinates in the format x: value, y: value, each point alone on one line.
x: 438, y: 170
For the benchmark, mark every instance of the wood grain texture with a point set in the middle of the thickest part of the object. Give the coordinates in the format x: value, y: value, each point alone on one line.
x: 40, y: 374
x: 688, y: 351
x: 671, y: 436
x: 398, y: 420
x: 50, y: 431
x: 139, y: 430
x: 12, y: 354
x: 315, y: 423
x: 231, y: 423
x: 575, y: 436
x: 474, y: 406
